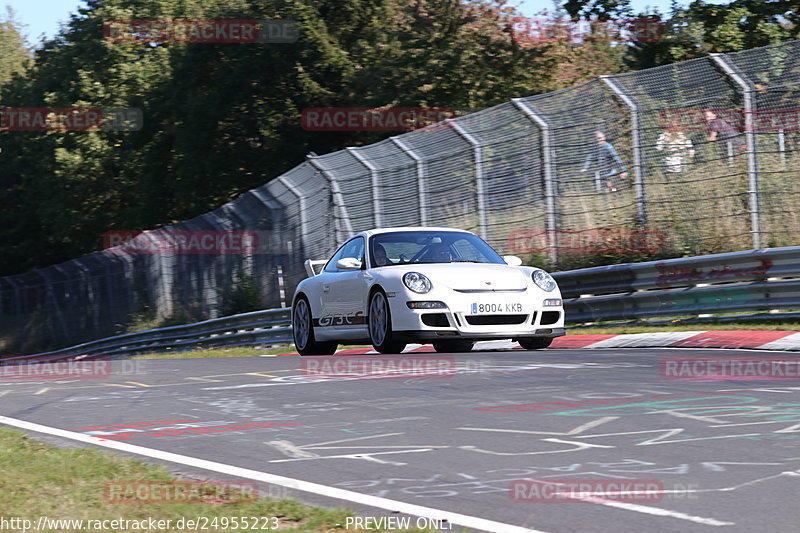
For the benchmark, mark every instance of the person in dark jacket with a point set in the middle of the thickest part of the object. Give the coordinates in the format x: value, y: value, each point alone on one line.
x: 604, y: 158
x: 720, y: 130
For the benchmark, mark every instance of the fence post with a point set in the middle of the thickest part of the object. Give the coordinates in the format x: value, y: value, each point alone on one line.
x: 421, y: 189
x: 162, y: 291
x: 17, y: 308
x: 303, y: 213
x: 480, y: 180
x: 636, y: 141
x: 51, y: 301
x: 373, y: 173
x: 338, y: 198
x: 748, y: 94
x: 549, y: 173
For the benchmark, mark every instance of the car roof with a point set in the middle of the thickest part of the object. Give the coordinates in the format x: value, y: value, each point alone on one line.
x: 378, y: 231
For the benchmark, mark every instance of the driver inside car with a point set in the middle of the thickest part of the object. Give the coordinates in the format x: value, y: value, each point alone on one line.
x: 379, y: 256
x: 439, y: 253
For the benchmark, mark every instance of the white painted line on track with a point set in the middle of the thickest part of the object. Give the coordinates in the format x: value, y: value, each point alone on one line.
x: 657, y: 511
x: 297, y: 484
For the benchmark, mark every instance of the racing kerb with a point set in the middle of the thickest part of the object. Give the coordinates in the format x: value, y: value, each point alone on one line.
x: 766, y: 280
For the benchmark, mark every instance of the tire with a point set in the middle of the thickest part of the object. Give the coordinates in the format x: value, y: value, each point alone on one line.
x: 380, y: 325
x: 535, y: 343
x: 453, y: 346
x: 303, y: 331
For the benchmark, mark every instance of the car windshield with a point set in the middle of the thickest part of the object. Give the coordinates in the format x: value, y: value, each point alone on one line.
x: 417, y: 247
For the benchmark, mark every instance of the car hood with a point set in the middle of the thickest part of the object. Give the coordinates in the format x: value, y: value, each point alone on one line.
x: 473, y: 276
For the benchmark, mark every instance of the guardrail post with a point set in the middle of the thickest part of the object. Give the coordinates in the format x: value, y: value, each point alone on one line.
x: 636, y: 141
x: 421, y: 189
x: 748, y: 95
x: 477, y: 154
x: 373, y: 173
x: 549, y: 172
x: 338, y: 199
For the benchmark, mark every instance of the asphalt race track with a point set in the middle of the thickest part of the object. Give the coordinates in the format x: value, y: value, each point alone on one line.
x: 722, y: 455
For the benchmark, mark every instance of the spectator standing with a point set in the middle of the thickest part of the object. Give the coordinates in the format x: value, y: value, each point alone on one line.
x: 678, y: 148
x: 720, y: 130
x: 604, y: 158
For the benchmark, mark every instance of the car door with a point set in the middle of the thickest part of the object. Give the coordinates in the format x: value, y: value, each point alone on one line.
x: 343, y: 290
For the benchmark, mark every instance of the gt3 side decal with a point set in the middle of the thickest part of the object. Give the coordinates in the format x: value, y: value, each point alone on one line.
x: 340, y: 319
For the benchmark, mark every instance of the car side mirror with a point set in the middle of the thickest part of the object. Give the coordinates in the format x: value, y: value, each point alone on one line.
x: 512, y: 260
x: 348, y: 263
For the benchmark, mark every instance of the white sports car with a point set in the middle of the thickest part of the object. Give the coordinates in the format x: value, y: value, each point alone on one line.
x: 443, y: 286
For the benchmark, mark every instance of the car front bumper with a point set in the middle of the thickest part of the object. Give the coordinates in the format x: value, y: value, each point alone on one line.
x: 478, y: 317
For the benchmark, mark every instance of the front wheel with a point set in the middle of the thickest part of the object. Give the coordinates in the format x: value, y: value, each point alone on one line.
x: 303, y: 331
x: 453, y: 346
x: 535, y: 343
x: 380, y: 325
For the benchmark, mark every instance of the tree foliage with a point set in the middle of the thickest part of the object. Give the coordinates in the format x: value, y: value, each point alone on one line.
x: 702, y: 28
x: 223, y: 118
x: 14, y: 50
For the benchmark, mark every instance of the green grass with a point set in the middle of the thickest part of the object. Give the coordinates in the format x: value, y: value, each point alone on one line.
x: 41, y: 480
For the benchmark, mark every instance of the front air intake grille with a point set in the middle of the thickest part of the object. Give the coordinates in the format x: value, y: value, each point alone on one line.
x: 550, y: 317
x: 495, y: 320
x: 436, y: 320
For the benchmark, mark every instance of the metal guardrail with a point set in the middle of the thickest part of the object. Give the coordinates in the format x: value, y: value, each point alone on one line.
x: 758, y: 280
x: 258, y: 327
x: 740, y: 281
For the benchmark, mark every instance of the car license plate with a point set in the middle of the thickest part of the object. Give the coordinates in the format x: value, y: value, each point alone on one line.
x: 508, y: 308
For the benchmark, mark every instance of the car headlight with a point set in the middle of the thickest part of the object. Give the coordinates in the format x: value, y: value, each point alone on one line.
x: 543, y: 280
x: 417, y: 282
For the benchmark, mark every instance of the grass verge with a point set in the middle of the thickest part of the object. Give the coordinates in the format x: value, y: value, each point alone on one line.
x: 72, y: 484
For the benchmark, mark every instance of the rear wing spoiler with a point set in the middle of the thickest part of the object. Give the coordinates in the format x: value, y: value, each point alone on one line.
x: 311, y: 267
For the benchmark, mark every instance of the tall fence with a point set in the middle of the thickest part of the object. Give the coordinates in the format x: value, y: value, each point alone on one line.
x: 529, y: 175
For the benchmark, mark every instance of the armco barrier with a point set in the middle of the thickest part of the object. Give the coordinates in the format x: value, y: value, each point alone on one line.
x: 755, y: 265
x: 247, y: 329
x: 758, y: 280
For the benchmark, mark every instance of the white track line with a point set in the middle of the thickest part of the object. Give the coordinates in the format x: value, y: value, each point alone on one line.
x: 297, y: 484
x: 657, y: 511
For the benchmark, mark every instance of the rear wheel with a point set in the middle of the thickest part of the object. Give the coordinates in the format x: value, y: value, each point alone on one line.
x: 453, y: 346
x: 535, y: 343
x: 380, y: 325
x: 303, y: 331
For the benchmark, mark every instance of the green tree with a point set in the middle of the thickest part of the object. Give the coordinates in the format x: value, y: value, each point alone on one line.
x: 702, y: 28
x: 220, y: 118
x: 14, y: 50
